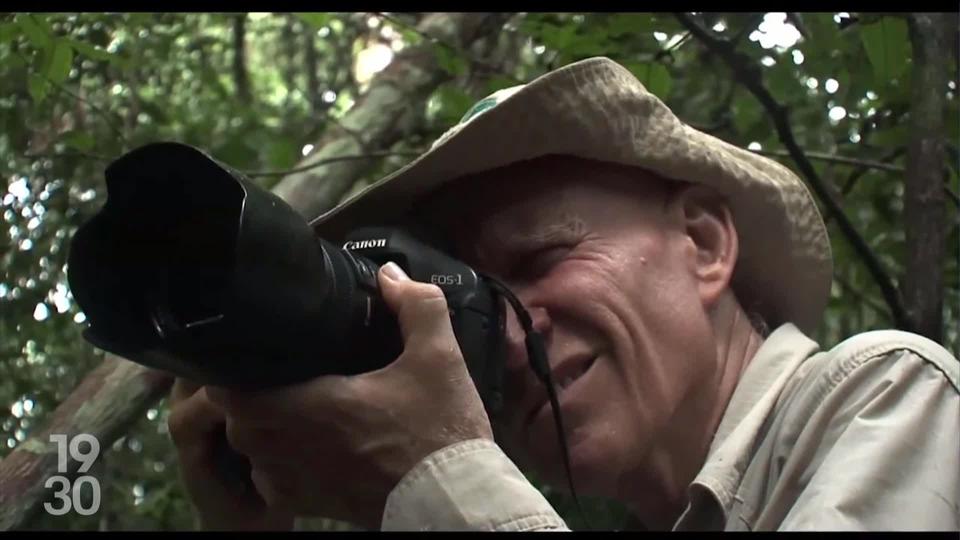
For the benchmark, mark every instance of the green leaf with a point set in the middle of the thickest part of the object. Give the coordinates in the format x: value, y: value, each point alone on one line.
x: 78, y: 140
x: 781, y: 79
x: 499, y: 82
x: 654, y: 76
x: 887, y: 47
x: 38, y: 87
x: 93, y: 52
x: 410, y: 36
x: 60, y: 61
x: 632, y: 24
x: 8, y: 32
x: 450, y: 61
x: 558, y: 37
x: 747, y: 112
x: 316, y: 20
x: 140, y: 19
x: 454, y: 103
x: 34, y: 30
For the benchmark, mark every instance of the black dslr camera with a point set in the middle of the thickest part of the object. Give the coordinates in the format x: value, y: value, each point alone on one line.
x: 192, y: 268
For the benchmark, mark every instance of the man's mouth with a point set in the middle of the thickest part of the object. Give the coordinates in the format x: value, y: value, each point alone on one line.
x: 564, y: 378
x: 570, y: 379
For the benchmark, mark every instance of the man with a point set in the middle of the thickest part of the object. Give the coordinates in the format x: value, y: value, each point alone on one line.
x: 653, y: 259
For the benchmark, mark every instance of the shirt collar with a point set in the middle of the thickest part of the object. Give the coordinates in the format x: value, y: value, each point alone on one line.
x: 753, y: 400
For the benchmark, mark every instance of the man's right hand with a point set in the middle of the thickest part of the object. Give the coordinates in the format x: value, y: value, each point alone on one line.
x: 198, y: 429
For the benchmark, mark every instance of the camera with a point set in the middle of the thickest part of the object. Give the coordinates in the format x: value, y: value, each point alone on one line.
x: 192, y: 268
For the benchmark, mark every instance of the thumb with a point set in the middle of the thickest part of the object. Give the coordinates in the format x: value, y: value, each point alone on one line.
x: 421, y: 309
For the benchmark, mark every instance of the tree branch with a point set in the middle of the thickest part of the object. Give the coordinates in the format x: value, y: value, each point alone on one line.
x: 334, y: 159
x: 751, y: 77
x: 240, y: 78
x: 115, y: 394
x: 855, y: 175
x: 833, y: 158
x: 439, y: 42
x: 106, y: 403
x: 384, y: 114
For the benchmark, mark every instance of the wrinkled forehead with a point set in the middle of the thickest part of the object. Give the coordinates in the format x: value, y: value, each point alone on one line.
x: 547, y: 193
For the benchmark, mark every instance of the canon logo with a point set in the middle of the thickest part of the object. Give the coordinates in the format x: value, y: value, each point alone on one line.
x: 364, y: 244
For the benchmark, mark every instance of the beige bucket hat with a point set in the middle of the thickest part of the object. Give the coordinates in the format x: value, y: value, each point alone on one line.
x: 597, y: 109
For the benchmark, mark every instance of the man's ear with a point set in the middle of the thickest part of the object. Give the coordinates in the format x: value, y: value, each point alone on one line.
x: 712, y: 239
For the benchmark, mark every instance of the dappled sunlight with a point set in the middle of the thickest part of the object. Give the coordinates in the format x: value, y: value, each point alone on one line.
x: 268, y: 93
x: 372, y: 60
x: 775, y: 31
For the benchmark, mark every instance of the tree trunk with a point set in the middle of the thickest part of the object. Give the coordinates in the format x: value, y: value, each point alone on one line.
x: 924, y: 202
x: 114, y: 395
x: 389, y: 109
x: 108, y: 400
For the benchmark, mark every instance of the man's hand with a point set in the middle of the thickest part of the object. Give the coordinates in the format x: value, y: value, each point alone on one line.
x: 197, y: 427
x: 336, y: 446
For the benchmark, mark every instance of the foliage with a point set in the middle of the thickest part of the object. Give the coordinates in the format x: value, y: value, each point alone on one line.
x: 79, y: 89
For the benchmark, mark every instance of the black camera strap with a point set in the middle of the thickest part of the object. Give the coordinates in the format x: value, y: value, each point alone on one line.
x: 540, y: 364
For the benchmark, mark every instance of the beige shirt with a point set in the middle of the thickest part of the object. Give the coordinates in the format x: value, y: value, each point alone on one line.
x: 865, y: 436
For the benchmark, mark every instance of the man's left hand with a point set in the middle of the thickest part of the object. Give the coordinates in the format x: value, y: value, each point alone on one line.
x: 335, y: 446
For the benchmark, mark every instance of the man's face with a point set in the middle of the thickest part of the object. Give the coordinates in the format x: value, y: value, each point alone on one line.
x: 604, y: 267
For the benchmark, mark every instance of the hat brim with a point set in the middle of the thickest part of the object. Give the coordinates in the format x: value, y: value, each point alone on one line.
x: 596, y: 109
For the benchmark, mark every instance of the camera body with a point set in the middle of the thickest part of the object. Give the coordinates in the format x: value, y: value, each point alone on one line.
x: 476, y: 313
x: 191, y: 268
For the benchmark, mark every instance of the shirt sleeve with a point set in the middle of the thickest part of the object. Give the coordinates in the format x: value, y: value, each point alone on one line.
x: 881, y: 451
x: 471, y: 485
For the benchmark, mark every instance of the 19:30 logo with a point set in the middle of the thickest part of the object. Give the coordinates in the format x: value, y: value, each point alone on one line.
x: 67, y: 494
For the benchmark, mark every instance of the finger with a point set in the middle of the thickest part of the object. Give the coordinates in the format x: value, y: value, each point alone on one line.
x: 182, y: 389
x: 252, y: 406
x: 421, y: 310
x: 193, y: 420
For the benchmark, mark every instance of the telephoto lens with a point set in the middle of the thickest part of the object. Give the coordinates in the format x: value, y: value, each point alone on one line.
x: 192, y: 268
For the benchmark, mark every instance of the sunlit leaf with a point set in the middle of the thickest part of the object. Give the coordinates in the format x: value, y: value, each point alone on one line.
x: 887, y: 46
x: 316, y: 20
x: 93, y: 52
x: 60, y: 61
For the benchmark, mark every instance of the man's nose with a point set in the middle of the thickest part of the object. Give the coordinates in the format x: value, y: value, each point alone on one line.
x: 516, y: 336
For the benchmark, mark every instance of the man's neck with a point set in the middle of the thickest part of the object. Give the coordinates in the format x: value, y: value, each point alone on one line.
x: 674, y: 464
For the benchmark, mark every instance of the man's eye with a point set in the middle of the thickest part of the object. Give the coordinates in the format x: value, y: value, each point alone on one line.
x: 541, y: 261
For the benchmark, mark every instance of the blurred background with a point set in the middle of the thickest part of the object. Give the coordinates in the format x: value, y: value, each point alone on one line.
x: 317, y: 105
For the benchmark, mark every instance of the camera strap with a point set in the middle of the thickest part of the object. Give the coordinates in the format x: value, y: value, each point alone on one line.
x: 540, y: 364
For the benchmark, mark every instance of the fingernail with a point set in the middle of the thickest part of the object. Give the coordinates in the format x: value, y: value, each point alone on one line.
x: 393, y: 271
